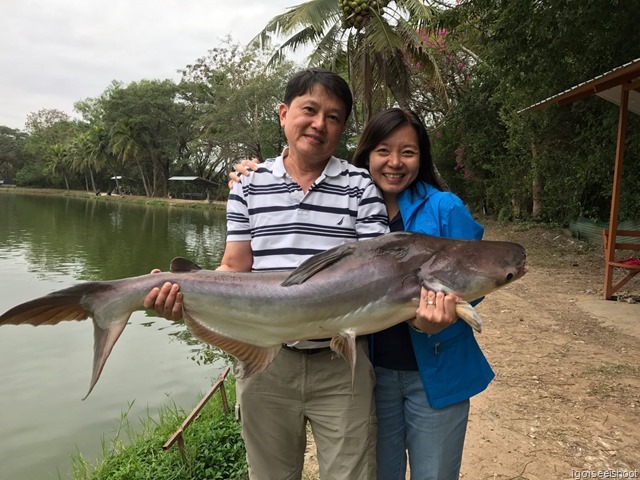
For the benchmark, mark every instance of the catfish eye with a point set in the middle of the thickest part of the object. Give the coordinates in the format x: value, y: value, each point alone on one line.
x: 509, y: 276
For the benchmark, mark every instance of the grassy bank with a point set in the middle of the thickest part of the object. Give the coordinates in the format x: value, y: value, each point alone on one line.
x: 212, y: 444
x: 135, y: 199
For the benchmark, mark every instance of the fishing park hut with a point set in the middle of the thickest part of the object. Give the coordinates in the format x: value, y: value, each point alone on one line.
x: 193, y: 188
x: 622, y: 87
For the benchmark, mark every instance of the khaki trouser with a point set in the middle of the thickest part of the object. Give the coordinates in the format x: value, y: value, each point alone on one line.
x: 276, y: 404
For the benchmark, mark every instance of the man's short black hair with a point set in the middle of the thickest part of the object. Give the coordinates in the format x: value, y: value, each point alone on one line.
x: 303, y: 82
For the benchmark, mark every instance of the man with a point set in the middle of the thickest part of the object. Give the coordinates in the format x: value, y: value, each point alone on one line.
x: 299, y: 204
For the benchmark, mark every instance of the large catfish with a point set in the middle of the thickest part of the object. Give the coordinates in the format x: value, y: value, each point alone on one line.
x: 354, y: 289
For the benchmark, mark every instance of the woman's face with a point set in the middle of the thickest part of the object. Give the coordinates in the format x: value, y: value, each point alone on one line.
x: 395, y: 161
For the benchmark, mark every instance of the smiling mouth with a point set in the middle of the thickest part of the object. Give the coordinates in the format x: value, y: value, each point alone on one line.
x: 315, y: 139
x: 393, y: 176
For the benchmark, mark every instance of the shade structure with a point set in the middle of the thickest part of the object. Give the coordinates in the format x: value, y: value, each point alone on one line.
x: 622, y: 87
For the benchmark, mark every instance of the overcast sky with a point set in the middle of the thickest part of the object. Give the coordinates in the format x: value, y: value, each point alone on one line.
x: 56, y: 52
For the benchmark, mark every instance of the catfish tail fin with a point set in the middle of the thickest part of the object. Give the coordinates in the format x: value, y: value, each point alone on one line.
x: 51, y: 309
x: 98, y: 300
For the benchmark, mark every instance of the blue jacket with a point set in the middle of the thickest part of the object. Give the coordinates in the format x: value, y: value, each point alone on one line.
x: 452, y: 366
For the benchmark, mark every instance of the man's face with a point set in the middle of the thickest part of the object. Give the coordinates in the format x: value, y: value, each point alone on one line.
x: 313, y: 124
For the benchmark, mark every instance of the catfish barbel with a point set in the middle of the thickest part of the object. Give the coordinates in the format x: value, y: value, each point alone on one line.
x: 354, y: 289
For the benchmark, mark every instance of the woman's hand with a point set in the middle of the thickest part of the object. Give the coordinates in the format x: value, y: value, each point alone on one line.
x: 436, y: 312
x: 166, y: 301
x: 242, y: 168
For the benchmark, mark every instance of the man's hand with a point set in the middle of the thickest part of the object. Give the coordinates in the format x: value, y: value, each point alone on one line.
x: 166, y: 301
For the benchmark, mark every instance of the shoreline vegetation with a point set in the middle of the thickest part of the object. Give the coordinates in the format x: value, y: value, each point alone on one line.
x: 135, y: 199
x: 213, y: 447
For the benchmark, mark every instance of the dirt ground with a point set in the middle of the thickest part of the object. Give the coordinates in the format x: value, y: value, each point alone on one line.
x: 565, y: 402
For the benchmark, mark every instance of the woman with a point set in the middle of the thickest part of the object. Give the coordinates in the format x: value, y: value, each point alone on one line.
x: 426, y: 370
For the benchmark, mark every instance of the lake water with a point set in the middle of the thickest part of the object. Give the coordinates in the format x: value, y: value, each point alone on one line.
x: 48, y: 243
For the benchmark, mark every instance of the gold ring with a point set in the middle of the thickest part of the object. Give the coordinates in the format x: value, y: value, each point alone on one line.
x: 431, y: 303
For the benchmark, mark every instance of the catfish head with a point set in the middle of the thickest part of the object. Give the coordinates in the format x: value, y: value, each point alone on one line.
x: 472, y: 269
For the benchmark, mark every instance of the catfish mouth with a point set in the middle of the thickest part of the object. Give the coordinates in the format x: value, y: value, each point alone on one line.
x: 519, y: 273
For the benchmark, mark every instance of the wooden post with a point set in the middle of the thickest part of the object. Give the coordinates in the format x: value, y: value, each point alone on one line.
x: 177, y: 435
x: 615, y: 194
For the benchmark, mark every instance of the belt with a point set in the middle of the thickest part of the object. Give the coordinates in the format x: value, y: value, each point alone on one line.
x: 306, y: 351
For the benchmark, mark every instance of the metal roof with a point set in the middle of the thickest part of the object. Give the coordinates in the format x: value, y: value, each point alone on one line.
x: 186, y: 179
x: 192, y: 179
x: 607, y: 86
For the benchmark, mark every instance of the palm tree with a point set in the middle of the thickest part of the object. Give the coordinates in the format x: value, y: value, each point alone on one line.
x: 130, y: 141
x: 80, y: 159
x: 57, y: 162
x: 377, y: 43
x: 97, y: 151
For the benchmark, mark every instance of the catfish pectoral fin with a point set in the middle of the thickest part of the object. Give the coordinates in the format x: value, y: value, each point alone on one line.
x: 252, y: 359
x: 466, y: 312
x: 345, y: 346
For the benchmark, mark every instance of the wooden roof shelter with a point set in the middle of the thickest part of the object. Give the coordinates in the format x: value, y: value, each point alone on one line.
x: 622, y: 87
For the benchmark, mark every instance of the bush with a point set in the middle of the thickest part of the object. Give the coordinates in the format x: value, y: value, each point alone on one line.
x: 213, y: 448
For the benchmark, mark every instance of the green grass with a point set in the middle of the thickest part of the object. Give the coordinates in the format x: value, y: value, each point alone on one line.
x: 613, y: 369
x: 213, y: 447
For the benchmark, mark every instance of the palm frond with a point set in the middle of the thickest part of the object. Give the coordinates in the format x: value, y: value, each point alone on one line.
x: 420, y: 13
x: 379, y: 35
x: 329, y: 48
x: 317, y: 14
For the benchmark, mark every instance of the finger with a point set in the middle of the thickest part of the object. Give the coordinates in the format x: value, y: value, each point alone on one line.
x: 161, y: 299
x: 244, y: 167
x: 156, y: 270
x: 449, y: 305
x: 170, y: 303
x: 233, y: 179
x: 253, y: 164
x: 426, y: 309
x: 176, y: 312
x: 150, y: 299
x: 430, y: 299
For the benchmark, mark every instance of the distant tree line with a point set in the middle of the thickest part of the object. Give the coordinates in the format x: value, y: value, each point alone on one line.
x: 468, y: 69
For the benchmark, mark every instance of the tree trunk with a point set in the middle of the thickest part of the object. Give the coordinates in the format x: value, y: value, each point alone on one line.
x: 536, y: 187
x: 145, y: 183
x: 516, y: 208
x: 93, y: 180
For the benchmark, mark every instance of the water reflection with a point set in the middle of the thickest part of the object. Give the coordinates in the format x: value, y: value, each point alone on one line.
x: 106, y: 239
x: 48, y: 243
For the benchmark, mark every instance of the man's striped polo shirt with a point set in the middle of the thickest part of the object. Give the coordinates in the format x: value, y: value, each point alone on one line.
x: 287, y: 226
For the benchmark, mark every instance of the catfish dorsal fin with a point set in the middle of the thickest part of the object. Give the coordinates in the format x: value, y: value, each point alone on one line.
x: 315, y: 264
x: 182, y: 265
